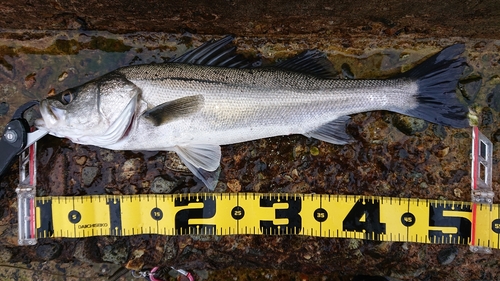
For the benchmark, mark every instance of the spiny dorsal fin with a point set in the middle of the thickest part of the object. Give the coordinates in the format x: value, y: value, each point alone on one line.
x: 216, y: 53
x: 311, y: 62
x: 174, y: 109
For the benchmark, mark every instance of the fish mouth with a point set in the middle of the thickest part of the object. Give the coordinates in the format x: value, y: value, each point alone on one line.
x: 51, y: 115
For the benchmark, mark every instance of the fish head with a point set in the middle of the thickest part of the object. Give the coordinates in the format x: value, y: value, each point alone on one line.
x: 99, y: 112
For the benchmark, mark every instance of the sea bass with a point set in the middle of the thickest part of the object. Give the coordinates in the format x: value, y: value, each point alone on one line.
x: 211, y: 97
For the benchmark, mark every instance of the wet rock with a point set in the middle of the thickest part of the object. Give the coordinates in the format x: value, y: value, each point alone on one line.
x: 461, y: 135
x: 174, y: 163
x: 409, y: 125
x: 486, y: 117
x: 116, y: 253
x: 496, y: 136
x: 87, y: 251
x: 30, y: 80
x: 494, y: 98
x: 5, y: 254
x: 202, y: 274
x: 297, y: 151
x: 314, y: 151
x: 4, y: 108
x: 441, y: 151
x: 234, y: 185
x: 161, y: 185
x: 169, y: 250
x: 470, y: 87
x: 89, y: 174
x: 447, y: 255
x: 106, y: 155
x: 48, y: 251
x: 369, y: 278
x: 80, y: 160
x: 63, y: 76
x: 439, y: 131
x: 130, y: 168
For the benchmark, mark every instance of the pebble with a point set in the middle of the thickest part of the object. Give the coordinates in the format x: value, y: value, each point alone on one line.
x: 161, y: 185
x: 201, y: 273
x: 234, y: 185
x: 89, y: 174
x: 493, y: 99
x: 442, y: 152
x: 106, y: 155
x: 439, y: 131
x: 4, y: 108
x: 87, y: 251
x: 116, y: 253
x: 486, y: 117
x: 130, y: 167
x: 80, y: 160
x: 471, y: 88
x: 447, y: 255
x: 5, y: 254
x: 30, y: 80
x: 409, y: 125
x: 496, y: 136
x: 63, y: 76
x: 48, y: 251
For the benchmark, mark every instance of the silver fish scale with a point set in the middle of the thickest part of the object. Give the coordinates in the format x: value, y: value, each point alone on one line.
x: 247, y: 104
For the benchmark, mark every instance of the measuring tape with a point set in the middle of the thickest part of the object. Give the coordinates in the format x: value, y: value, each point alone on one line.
x: 475, y: 223
x: 333, y: 216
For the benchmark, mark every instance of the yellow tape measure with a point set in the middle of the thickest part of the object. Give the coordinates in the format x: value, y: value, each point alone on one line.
x: 334, y: 216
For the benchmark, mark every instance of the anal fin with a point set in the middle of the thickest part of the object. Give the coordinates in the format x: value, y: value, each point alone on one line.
x: 333, y: 131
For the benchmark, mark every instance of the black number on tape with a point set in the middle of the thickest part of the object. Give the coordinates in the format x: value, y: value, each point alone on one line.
x: 294, y: 225
x: 365, y: 217
x: 320, y: 215
x: 157, y: 214
x: 237, y: 213
x: 74, y: 216
x: 495, y: 226
x: 408, y: 219
x: 182, y: 217
x: 462, y: 225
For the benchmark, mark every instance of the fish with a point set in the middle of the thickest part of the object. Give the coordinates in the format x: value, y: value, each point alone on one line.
x: 213, y: 96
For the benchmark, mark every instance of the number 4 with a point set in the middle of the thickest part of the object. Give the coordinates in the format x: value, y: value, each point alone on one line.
x: 365, y: 217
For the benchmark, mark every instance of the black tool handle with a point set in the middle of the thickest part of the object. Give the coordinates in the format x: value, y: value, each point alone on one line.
x: 12, y: 143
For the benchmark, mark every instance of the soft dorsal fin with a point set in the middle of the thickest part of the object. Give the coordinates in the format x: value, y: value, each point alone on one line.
x: 216, y: 53
x: 311, y: 62
x: 174, y: 109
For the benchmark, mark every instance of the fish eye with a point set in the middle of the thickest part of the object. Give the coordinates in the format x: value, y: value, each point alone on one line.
x: 66, y: 97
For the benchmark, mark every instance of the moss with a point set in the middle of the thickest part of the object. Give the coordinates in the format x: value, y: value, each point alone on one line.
x: 107, y: 44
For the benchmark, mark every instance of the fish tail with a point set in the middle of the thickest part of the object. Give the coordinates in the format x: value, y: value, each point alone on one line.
x: 437, y: 79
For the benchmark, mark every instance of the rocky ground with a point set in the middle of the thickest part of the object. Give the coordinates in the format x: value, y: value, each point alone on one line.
x: 392, y: 155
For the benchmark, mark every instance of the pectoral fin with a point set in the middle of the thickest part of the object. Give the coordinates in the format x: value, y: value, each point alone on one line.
x: 203, y: 161
x: 332, y: 132
x: 171, y: 110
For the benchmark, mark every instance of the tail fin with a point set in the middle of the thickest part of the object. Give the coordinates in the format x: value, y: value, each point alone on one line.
x: 437, y: 79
